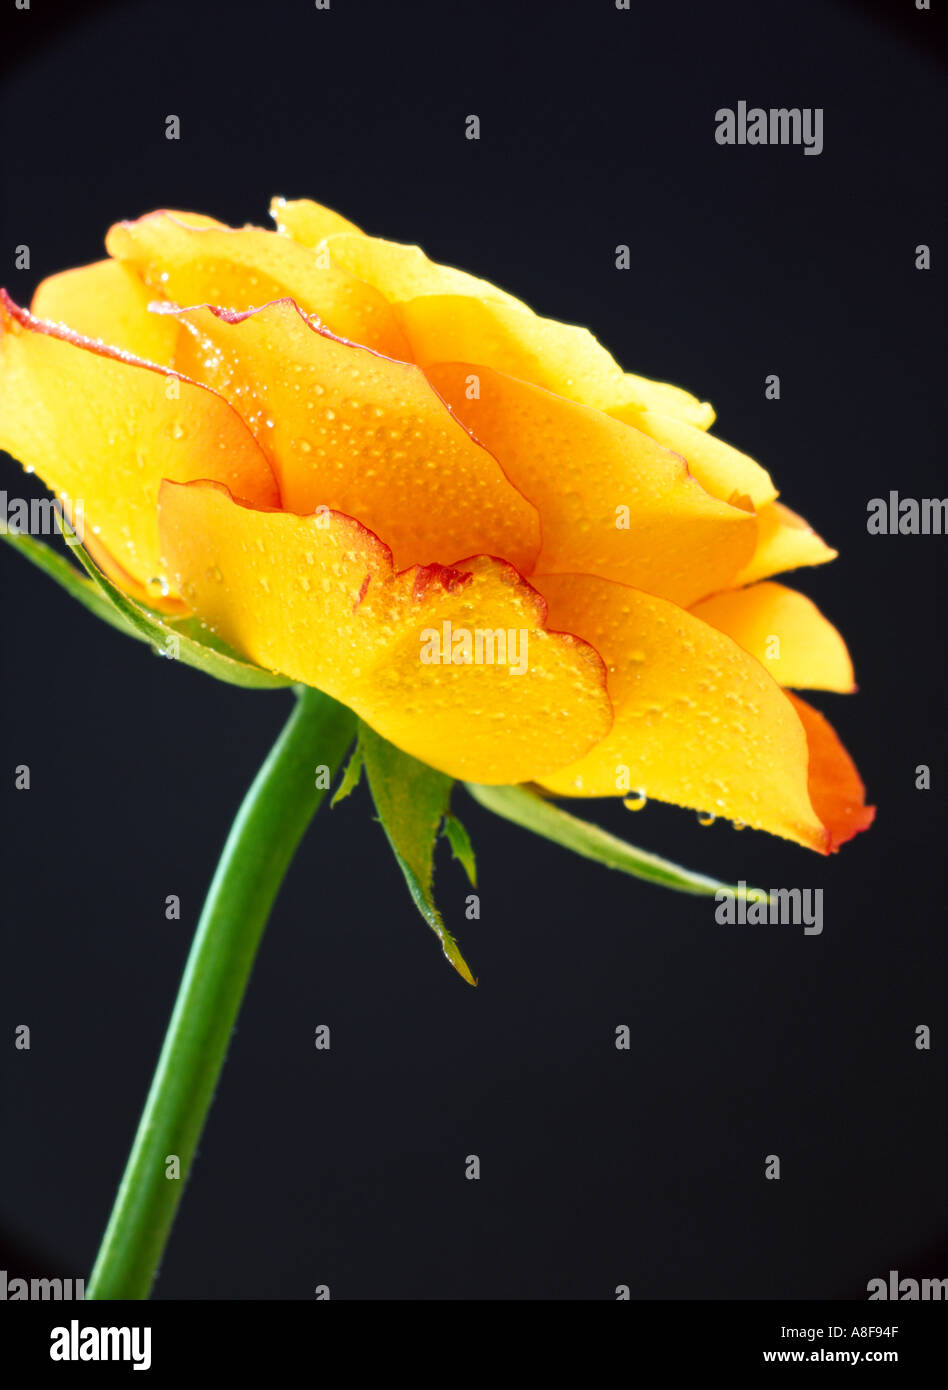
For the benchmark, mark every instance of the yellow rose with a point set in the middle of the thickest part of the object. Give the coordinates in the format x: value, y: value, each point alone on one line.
x: 344, y: 458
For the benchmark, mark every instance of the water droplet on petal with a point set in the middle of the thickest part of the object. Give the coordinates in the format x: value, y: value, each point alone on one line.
x: 706, y: 818
x: 636, y: 801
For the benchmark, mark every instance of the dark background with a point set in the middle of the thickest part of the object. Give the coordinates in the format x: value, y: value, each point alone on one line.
x: 599, y: 1167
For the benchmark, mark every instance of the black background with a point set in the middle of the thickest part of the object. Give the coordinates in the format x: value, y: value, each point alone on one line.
x: 599, y: 1167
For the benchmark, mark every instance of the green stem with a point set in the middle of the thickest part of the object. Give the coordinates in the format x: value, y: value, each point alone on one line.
x: 262, y: 841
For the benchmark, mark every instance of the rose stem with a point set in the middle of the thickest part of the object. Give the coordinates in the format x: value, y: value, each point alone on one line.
x: 263, y: 839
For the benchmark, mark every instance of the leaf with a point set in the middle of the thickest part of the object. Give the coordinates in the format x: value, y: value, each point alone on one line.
x: 526, y: 809
x: 206, y: 654
x: 350, y: 778
x: 412, y: 799
x: 461, y: 847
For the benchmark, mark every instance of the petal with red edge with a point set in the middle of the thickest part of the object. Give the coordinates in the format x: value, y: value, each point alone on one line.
x: 787, y: 634
x: 107, y: 301
x: 581, y: 468
x: 104, y: 429
x: 698, y: 722
x: 349, y: 429
x: 242, y: 268
x: 317, y: 598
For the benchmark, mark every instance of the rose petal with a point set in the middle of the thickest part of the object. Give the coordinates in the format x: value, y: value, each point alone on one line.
x: 787, y: 634
x: 246, y: 267
x: 721, y: 469
x: 307, y: 222
x: 784, y: 542
x: 399, y: 272
x: 103, y: 429
x: 199, y: 220
x: 452, y: 316
x: 836, y: 789
x: 698, y: 722
x: 318, y: 599
x: 580, y: 467
x: 359, y: 433
x: 107, y: 301
x: 512, y: 339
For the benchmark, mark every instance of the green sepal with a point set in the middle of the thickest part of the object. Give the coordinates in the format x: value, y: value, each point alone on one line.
x: 533, y: 812
x: 57, y: 567
x: 412, y: 801
x: 350, y: 778
x: 183, y: 639
x: 461, y: 847
x: 177, y: 640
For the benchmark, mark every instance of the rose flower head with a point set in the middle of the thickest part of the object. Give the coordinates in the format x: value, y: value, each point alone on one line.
x: 326, y: 457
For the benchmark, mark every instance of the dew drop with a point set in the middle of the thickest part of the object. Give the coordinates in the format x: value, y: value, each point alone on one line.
x: 706, y: 818
x: 637, y: 801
